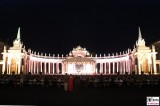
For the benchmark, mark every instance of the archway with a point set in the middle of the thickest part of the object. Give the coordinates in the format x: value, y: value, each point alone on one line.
x: 145, y: 66
x: 13, y: 67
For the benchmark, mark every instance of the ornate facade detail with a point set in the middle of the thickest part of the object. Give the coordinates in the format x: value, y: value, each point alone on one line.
x: 79, y: 51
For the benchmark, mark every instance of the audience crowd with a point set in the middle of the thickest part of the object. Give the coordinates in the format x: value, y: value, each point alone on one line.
x: 80, y: 81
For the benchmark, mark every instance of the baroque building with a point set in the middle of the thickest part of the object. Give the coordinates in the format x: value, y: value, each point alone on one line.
x: 140, y: 60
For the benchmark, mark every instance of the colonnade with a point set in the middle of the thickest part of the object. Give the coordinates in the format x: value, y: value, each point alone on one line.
x: 57, y: 66
x: 114, y: 67
x: 45, y: 67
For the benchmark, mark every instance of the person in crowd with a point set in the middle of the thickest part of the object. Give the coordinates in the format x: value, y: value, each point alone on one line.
x: 65, y: 81
x: 42, y: 82
x: 70, y: 83
x: 76, y: 83
x: 21, y: 81
x: 101, y: 81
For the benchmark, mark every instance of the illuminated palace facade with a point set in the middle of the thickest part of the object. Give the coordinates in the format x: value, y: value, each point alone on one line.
x: 141, y: 59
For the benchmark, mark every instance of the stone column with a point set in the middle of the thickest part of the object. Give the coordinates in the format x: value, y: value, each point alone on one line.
x: 121, y: 67
x: 49, y: 69
x: 38, y: 67
x: 117, y: 67
x: 150, y: 65
x: 113, y: 67
x: 124, y: 67
x: 149, y: 70
x: 45, y: 68
x: 57, y: 68
x: 53, y: 68
x: 101, y: 71
x: 31, y: 66
x: 96, y: 68
x: 19, y: 67
x: 93, y: 65
x: 129, y: 71
x: 109, y: 67
x: 41, y: 66
x: 100, y: 66
x: 105, y: 68
x: 129, y: 66
x: 139, y: 68
x: 26, y: 69
x: 62, y: 68
x: 66, y: 67
x: 9, y: 68
x: 34, y: 68
x: 154, y: 65
x: 4, y: 62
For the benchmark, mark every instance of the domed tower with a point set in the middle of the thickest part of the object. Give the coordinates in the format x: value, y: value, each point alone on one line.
x: 13, y: 57
x: 145, y: 57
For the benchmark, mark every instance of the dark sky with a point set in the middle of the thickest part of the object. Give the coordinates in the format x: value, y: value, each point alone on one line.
x: 57, y: 26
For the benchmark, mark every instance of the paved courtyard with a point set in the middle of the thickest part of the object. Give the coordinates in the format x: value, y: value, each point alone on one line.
x: 82, y: 96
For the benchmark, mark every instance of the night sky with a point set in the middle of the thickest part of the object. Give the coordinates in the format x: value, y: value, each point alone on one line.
x: 101, y: 27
